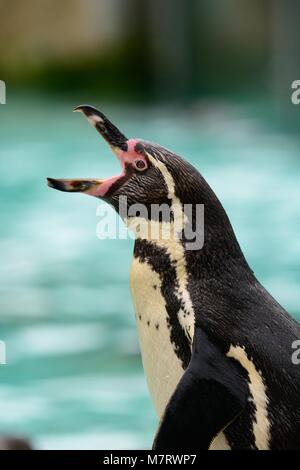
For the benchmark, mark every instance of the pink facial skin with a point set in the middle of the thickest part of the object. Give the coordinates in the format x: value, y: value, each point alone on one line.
x: 125, y: 158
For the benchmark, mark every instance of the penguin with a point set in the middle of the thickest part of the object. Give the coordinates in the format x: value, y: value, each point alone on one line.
x: 216, y: 346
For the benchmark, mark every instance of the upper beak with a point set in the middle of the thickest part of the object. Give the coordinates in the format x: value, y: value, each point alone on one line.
x: 107, y: 129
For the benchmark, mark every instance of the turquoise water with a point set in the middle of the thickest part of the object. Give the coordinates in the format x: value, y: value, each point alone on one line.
x: 74, y: 377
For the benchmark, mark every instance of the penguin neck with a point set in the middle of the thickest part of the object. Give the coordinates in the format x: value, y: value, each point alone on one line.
x: 219, y: 254
x: 197, y: 277
x: 218, y: 273
x: 212, y: 251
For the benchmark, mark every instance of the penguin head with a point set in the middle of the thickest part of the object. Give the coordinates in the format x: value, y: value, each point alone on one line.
x: 149, y: 174
x: 151, y: 177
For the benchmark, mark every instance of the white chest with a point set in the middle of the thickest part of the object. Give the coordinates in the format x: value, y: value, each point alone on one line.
x: 162, y: 367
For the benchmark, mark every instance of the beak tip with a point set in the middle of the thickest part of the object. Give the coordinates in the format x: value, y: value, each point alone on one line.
x: 50, y: 182
x: 78, y: 109
x: 56, y: 184
x: 85, y: 109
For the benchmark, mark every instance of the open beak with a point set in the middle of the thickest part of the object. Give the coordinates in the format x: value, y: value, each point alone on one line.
x: 117, y: 142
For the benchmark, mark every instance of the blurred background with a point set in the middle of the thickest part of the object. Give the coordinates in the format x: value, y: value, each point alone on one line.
x: 208, y: 79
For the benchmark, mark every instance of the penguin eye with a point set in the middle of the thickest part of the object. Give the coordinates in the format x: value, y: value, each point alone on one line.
x: 140, y: 165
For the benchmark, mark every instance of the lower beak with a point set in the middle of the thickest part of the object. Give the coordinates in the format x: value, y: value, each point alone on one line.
x: 75, y: 185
